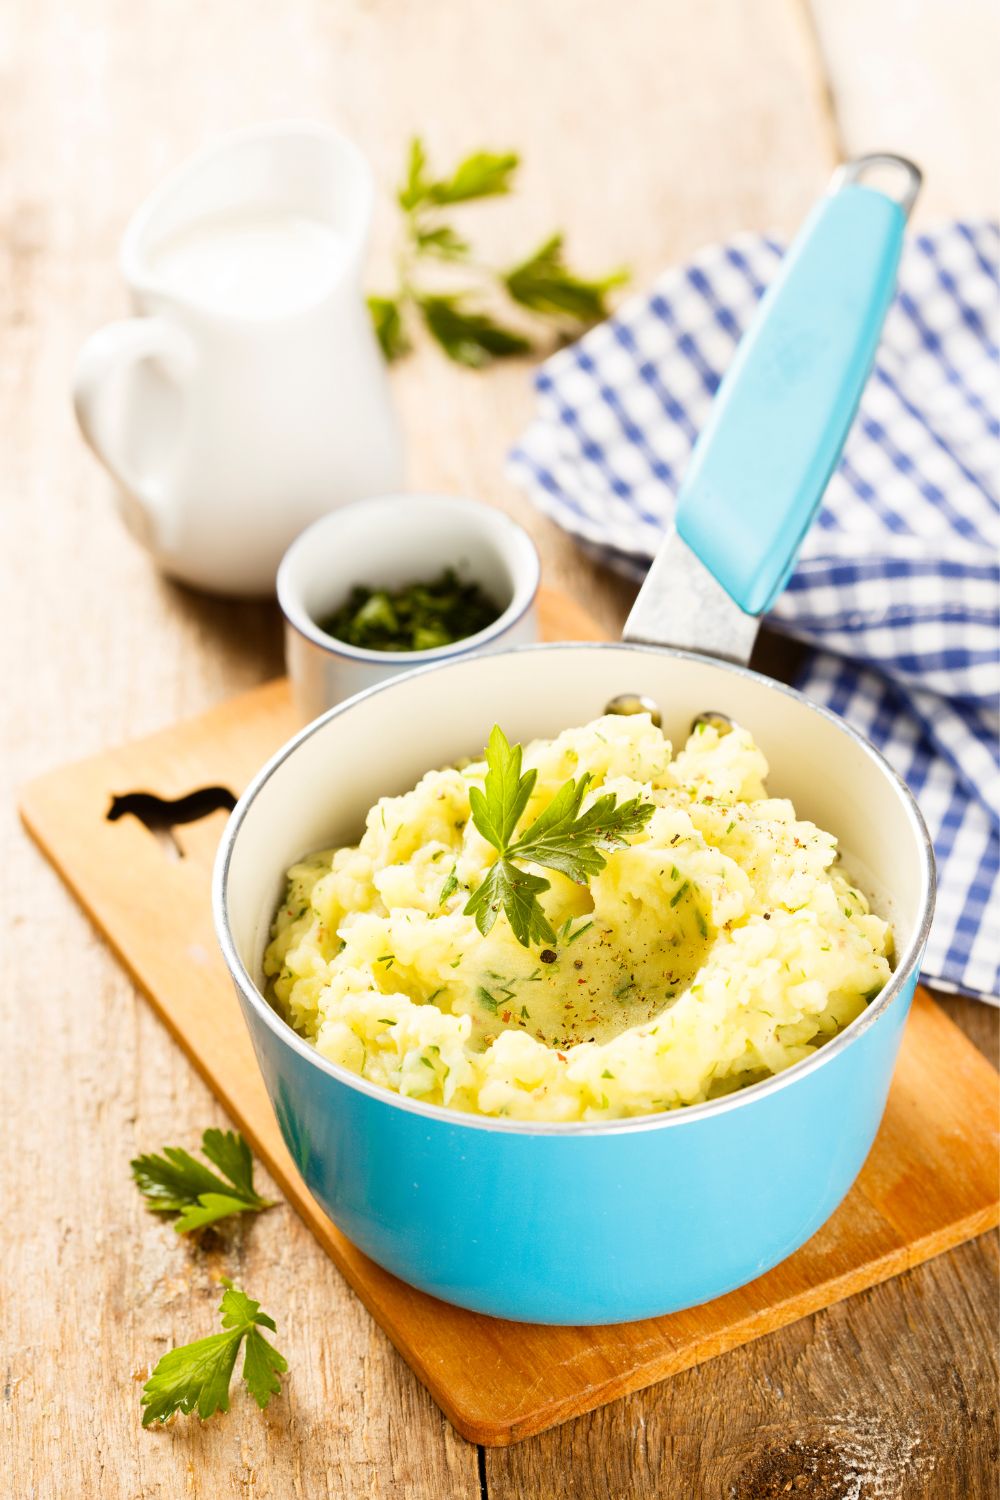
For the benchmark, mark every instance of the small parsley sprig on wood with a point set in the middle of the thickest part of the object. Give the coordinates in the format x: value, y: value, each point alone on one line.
x: 542, y: 284
x: 196, y: 1376
x: 177, y: 1183
x: 561, y: 838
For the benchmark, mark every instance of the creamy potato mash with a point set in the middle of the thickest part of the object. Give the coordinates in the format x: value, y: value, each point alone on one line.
x: 720, y: 947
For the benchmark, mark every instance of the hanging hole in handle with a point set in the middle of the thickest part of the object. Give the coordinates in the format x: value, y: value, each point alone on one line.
x: 885, y: 167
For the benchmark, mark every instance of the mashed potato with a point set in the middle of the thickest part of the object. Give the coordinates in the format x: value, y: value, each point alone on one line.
x: 720, y: 947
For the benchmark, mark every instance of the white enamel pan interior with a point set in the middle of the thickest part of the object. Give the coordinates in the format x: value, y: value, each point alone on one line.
x: 316, y: 791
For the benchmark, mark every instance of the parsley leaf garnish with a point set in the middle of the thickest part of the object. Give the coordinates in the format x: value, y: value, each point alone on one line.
x: 561, y: 838
x: 516, y: 893
x: 177, y: 1182
x: 196, y: 1376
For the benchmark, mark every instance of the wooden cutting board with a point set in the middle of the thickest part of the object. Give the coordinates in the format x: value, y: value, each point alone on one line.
x: 929, y: 1183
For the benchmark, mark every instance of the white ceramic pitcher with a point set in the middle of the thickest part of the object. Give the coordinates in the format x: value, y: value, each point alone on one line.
x: 247, y: 396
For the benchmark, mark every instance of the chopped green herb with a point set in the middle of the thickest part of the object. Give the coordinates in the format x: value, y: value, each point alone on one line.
x: 580, y: 931
x: 607, y: 1074
x: 699, y: 918
x: 455, y: 962
x: 680, y: 892
x: 419, y: 617
x: 731, y: 827
x: 623, y: 989
x: 387, y: 1020
x: 386, y: 958
x: 432, y: 998
x: 450, y: 885
x: 486, y: 999
x: 524, y: 1012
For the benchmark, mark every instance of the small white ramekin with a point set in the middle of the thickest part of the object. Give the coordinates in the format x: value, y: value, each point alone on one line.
x: 389, y: 542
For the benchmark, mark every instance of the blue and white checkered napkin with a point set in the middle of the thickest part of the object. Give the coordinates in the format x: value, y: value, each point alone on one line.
x: 898, y: 580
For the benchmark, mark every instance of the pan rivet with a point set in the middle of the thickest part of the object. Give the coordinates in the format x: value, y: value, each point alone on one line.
x: 713, y: 717
x: 634, y: 703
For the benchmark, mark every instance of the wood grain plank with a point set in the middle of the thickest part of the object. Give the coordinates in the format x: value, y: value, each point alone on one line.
x: 885, y: 1397
x: 919, y: 77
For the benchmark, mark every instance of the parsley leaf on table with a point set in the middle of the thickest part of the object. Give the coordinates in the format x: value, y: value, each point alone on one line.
x: 560, y: 838
x: 484, y: 174
x: 387, y: 318
x: 545, y: 284
x: 467, y: 335
x: 196, y: 1376
x: 442, y: 242
x: 542, y: 285
x: 177, y: 1182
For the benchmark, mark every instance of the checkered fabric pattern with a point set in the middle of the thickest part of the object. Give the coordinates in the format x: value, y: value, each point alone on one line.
x: 898, y: 588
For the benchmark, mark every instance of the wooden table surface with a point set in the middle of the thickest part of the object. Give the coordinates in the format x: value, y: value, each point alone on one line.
x: 647, y: 128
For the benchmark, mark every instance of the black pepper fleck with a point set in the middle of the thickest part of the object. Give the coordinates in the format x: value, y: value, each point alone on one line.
x: 547, y: 956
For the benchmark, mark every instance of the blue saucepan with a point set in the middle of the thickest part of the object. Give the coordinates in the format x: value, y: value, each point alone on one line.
x: 601, y: 1223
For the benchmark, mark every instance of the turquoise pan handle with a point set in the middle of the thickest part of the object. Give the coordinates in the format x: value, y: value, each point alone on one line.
x: 783, y: 411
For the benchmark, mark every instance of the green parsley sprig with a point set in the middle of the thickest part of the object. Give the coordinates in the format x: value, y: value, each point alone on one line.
x: 561, y: 838
x: 542, y: 284
x: 196, y: 1377
x: 178, y: 1183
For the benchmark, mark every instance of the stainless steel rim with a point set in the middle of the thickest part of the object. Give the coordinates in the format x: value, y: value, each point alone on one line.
x: 671, y: 1119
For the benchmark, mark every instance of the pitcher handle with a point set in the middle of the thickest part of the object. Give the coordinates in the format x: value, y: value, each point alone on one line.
x: 104, y: 365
